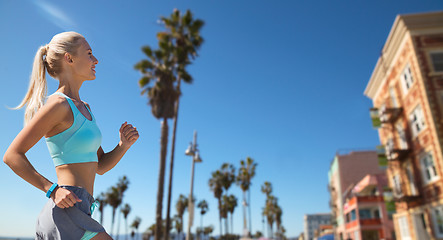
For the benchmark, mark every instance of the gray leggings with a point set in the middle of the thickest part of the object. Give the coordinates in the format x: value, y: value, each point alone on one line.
x: 67, y: 223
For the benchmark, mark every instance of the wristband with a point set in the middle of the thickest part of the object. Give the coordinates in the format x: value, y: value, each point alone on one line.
x: 48, y: 194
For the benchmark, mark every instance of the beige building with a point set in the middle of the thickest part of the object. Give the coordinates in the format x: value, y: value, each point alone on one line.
x: 406, y: 88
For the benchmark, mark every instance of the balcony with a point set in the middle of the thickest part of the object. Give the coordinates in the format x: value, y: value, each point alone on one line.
x: 396, y: 154
x: 384, y: 115
x: 389, y: 115
x: 401, y: 195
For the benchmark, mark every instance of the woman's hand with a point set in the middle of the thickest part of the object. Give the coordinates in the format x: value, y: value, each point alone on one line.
x: 128, y: 135
x: 64, y: 198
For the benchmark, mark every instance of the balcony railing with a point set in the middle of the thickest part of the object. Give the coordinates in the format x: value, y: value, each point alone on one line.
x: 384, y: 115
x: 401, y: 195
x: 393, y: 153
x: 389, y: 115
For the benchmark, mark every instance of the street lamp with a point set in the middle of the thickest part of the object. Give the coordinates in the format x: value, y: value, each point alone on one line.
x: 192, y: 151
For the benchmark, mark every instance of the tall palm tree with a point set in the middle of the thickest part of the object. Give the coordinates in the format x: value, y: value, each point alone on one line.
x: 203, y: 205
x: 181, y: 206
x: 122, y: 186
x: 135, y: 224
x: 245, y: 173
x: 216, y: 186
x: 231, y: 201
x: 125, y: 210
x: 278, y: 214
x: 224, y: 212
x: 114, y: 200
x: 270, y: 212
x: 167, y: 65
x: 185, y: 32
x: 101, y: 199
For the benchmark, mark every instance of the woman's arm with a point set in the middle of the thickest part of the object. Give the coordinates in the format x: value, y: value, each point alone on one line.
x: 106, y: 161
x: 46, y: 118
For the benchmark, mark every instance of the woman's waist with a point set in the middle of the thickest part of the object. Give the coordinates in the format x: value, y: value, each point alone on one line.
x: 78, y: 175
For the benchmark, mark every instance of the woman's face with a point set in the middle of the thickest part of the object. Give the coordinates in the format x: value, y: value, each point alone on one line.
x: 84, y: 62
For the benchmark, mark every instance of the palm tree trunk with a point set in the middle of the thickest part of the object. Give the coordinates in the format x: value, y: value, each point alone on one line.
x: 249, y: 208
x: 244, y: 213
x: 118, y: 223
x: 171, y: 166
x: 161, y: 178
x: 232, y: 223
x: 226, y: 225
x: 126, y: 221
x: 112, y: 223
x: 219, y: 216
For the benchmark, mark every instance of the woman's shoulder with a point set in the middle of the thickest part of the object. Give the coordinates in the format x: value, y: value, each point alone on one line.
x: 57, y: 104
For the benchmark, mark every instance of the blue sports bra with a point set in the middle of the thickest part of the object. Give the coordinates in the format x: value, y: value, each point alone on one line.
x: 77, y: 144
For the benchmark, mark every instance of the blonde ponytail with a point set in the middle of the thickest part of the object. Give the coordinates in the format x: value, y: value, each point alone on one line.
x: 37, y: 91
x: 48, y: 58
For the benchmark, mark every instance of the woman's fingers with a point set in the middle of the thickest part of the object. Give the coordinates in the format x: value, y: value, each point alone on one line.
x: 65, y: 198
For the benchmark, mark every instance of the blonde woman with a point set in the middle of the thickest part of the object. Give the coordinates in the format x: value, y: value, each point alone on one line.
x: 72, y: 137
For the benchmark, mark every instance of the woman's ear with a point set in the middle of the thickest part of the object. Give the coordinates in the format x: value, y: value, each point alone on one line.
x: 68, y: 58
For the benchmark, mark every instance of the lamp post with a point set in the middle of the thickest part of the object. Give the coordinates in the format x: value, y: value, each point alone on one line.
x: 192, y: 151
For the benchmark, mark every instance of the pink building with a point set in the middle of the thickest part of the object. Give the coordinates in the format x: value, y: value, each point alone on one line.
x: 345, y: 170
x: 366, y: 215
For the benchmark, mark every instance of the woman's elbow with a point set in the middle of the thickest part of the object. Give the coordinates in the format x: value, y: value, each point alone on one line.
x: 7, y: 158
x: 100, y: 171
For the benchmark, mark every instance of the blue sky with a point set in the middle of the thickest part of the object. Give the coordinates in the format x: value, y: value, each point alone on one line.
x: 279, y: 81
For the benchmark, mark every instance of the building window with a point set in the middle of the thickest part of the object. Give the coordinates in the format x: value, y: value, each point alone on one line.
x: 437, y: 217
x: 407, y: 79
x: 365, y: 214
x: 437, y: 61
x: 402, y: 136
x: 404, y: 228
x: 397, y: 185
x: 428, y: 168
x: 417, y: 121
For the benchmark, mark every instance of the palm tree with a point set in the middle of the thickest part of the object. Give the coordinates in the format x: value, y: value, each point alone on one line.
x: 177, y: 224
x: 114, y: 200
x: 122, y: 186
x: 278, y: 214
x: 101, y: 199
x: 245, y: 173
x: 167, y: 65
x: 181, y: 206
x: 266, y: 188
x: 125, y: 210
x: 231, y: 201
x: 228, y: 175
x: 208, y: 230
x: 224, y: 212
x: 216, y: 186
x: 135, y: 224
x: 186, y: 32
x: 270, y: 212
x: 203, y: 205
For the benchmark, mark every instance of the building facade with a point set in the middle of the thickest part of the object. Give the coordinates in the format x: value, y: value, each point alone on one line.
x: 366, y: 214
x: 406, y: 88
x: 312, y: 223
x: 346, y: 170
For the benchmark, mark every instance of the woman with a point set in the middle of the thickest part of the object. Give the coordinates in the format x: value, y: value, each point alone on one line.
x: 73, y: 140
